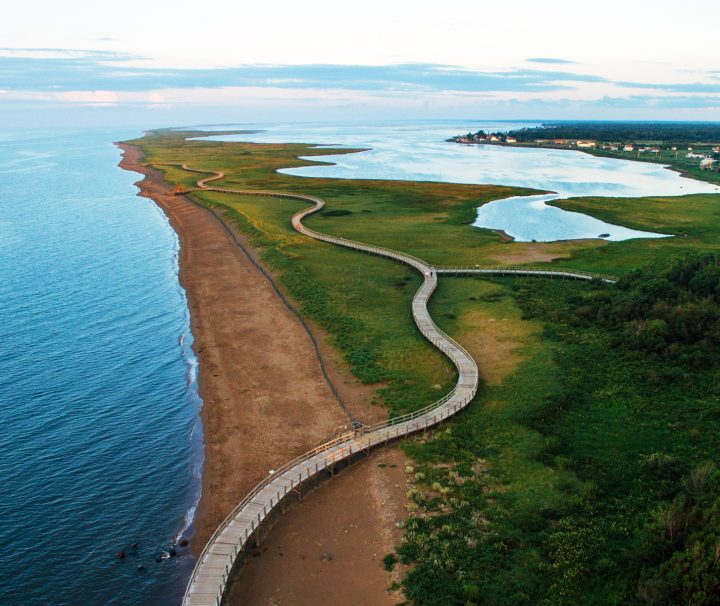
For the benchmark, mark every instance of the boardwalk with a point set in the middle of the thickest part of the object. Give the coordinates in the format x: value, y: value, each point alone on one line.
x: 208, y: 581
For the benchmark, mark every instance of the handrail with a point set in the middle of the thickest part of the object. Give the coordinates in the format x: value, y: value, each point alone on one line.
x: 528, y: 270
x: 362, y: 437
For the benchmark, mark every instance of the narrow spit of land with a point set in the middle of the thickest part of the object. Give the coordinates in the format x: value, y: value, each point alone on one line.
x: 208, y: 584
x: 522, y: 485
x: 260, y: 381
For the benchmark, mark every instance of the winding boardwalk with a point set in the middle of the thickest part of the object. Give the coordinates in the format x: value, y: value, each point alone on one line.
x: 209, y: 579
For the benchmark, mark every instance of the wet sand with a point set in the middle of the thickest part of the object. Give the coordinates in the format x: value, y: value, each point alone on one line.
x: 328, y: 549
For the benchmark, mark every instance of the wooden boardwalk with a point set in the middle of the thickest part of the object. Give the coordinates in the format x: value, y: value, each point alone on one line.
x: 209, y: 579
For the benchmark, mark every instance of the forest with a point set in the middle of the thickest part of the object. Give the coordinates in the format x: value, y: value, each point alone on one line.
x: 671, y: 133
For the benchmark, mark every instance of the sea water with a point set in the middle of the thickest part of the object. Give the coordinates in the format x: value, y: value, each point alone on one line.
x: 101, y: 444
x: 418, y: 151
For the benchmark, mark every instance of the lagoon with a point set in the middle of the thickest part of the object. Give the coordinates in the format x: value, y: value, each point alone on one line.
x: 418, y: 151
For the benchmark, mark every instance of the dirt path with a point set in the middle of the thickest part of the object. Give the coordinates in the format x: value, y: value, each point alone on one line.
x: 328, y: 549
x: 265, y: 399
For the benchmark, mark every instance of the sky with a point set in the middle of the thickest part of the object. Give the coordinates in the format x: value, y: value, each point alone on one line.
x: 149, y: 64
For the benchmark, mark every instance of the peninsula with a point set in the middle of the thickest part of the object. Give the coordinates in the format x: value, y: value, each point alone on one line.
x: 522, y: 451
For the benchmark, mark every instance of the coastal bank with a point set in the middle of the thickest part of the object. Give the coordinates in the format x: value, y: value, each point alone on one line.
x: 264, y: 396
x: 490, y: 466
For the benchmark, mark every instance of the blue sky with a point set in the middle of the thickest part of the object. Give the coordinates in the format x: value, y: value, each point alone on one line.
x: 142, y: 64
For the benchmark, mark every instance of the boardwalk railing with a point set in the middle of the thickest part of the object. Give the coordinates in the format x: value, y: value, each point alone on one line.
x: 209, y: 578
x: 515, y: 270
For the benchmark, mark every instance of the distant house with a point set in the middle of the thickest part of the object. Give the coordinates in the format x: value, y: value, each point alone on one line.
x: 654, y: 150
x: 707, y: 163
x: 494, y: 138
x: 628, y: 148
x: 585, y: 143
x: 717, y: 149
x: 510, y: 140
x: 674, y: 148
x: 694, y: 155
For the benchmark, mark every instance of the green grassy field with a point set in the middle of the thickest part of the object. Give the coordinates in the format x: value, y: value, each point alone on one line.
x: 548, y: 488
x: 550, y: 491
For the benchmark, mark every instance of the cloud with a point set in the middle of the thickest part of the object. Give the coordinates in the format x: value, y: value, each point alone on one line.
x: 95, y: 97
x: 86, y: 55
x: 703, y: 102
x: 68, y: 78
x: 550, y: 60
x: 685, y: 87
x: 68, y: 70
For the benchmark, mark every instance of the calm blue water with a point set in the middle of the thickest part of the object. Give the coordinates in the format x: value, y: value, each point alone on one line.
x: 417, y: 151
x: 101, y: 444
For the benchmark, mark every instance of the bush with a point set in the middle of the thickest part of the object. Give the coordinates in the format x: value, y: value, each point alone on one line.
x: 687, y: 534
x: 670, y: 311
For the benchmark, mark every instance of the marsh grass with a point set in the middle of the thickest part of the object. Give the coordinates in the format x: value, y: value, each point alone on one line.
x: 548, y: 488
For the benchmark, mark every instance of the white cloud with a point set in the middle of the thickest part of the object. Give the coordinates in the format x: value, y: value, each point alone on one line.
x: 94, y: 97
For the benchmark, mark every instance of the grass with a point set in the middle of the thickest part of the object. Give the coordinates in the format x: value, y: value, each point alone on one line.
x: 693, y: 220
x: 543, y: 490
x: 552, y: 486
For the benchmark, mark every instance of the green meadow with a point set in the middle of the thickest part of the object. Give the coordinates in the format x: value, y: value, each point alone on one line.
x: 583, y: 469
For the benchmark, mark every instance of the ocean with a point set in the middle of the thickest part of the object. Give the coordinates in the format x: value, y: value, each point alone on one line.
x: 101, y: 440
x: 100, y: 437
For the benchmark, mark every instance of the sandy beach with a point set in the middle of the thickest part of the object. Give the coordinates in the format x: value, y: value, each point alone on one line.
x: 265, y: 401
x: 264, y: 397
x: 328, y: 550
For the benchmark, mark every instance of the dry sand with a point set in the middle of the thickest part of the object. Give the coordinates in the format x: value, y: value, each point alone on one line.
x: 266, y: 401
x: 328, y: 549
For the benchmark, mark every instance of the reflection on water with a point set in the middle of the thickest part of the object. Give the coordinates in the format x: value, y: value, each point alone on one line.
x: 418, y: 151
x: 530, y: 219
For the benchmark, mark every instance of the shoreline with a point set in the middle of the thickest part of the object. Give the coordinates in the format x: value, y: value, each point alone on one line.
x: 245, y: 339
x: 683, y: 172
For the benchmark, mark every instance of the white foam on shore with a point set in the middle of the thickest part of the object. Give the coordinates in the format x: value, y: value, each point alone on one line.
x: 193, y: 398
